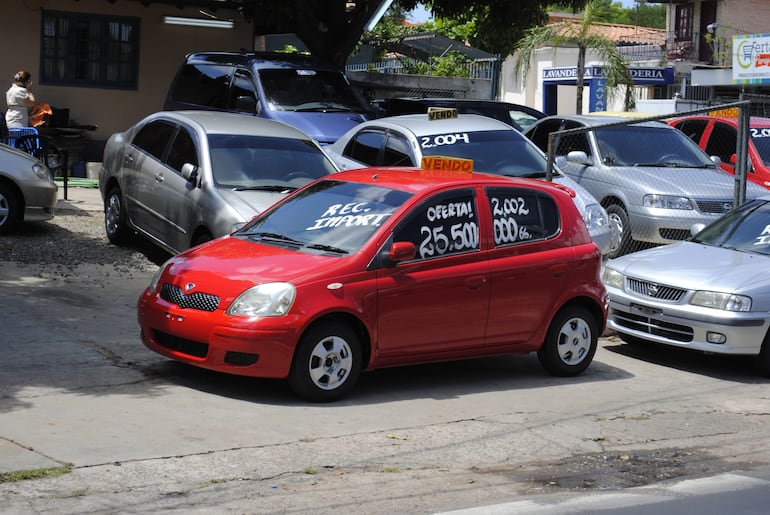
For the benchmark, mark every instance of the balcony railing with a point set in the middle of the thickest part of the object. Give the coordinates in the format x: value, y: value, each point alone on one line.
x: 479, y: 69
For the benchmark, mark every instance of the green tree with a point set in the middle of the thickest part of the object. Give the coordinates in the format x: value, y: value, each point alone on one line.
x: 578, y: 33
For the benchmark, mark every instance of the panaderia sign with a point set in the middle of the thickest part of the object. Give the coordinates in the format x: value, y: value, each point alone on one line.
x: 568, y: 74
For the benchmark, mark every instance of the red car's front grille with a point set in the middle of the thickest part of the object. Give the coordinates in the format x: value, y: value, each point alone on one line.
x: 197, y: 300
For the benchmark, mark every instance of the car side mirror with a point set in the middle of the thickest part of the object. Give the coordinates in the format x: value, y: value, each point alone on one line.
x: 189, y: 172
x: 579, y: 157
x: 247, y: 104
x: 402, y: 251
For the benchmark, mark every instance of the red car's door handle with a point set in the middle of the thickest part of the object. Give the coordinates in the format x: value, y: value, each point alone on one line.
x: 558, y: 270
x: 474, y: 283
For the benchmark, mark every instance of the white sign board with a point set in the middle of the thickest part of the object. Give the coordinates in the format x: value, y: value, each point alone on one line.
x: 751, y: 59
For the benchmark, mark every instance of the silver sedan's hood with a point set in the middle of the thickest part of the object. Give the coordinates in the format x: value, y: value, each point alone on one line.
x: 249, y: 203
x: 695, y: 266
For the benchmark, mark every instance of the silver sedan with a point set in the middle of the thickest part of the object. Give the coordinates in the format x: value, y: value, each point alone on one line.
x: 185, y: 177
x: 27, y: 190
x: 710, y: 293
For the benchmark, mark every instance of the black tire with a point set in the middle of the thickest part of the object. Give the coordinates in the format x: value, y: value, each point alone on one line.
x: 327, y: 363
x: 570, y: 343
x: 201, y: 237
x: 115, y: 217
x: 9, y: 209
x: 619, y: 218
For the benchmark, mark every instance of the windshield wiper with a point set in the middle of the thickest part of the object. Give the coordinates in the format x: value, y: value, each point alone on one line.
x: 324, y: 108
x: 327, y: 248
x: 271, y: 236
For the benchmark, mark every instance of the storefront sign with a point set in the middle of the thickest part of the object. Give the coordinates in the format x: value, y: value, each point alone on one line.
x: 751, y: 59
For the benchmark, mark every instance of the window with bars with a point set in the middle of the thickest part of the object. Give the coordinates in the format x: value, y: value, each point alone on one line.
x: 79, y: 49
x: 683, y: 22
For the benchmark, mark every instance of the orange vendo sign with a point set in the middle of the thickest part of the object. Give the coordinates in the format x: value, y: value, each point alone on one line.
x: 449, y: 164
x: 731, y: 112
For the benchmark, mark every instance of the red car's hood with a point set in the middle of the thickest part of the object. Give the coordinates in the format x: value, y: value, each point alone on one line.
x: 230, y: 265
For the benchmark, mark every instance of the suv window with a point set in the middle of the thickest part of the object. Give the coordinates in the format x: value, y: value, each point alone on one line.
x: 242, y: 86
x: 308, y: 90
x: 203, y: 84
x: 153, y: 138
x: 521, y: 216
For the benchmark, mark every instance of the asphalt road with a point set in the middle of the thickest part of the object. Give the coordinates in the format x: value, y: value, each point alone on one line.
x: 137, y: 433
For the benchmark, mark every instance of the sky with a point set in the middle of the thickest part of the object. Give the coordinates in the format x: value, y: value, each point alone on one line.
x: 420, y: 15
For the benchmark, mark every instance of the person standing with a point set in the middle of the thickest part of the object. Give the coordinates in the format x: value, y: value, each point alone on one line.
x: 19, y: 99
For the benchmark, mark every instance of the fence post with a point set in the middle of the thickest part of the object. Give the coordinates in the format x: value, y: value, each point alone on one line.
x: 742, y: 154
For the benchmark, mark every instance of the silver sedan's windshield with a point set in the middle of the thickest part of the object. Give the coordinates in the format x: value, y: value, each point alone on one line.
x: 649, y: 146
x: 242, y: 162
x: 746, y: 229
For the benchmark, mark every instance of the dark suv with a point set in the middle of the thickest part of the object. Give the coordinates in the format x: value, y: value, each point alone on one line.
x: 296, y: 89
x: 517, y: 116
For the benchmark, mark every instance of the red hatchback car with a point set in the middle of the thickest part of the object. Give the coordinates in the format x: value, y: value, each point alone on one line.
x: 383, y: 267
x: 717, y: 135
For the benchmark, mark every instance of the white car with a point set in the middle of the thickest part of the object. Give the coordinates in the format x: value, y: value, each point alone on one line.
x: 28, y: 192
x: 493, y: 146
x: 709, y: 293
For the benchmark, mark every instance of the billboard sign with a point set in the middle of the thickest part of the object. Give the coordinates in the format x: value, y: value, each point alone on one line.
x: 751, y: 59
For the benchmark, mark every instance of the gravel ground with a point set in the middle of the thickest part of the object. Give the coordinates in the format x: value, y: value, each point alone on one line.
x: 75, y: 237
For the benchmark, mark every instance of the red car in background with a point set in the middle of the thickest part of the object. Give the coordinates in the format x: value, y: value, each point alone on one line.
x: 379, y: 267
x: 718, y: 135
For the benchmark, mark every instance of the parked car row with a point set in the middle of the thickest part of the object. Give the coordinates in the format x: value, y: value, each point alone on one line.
x: 318, y: 274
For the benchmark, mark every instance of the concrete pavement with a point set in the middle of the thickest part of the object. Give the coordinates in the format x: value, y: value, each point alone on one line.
x: 85, y: 199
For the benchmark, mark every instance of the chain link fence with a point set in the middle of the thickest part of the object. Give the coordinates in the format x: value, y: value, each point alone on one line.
x: 654, y: 181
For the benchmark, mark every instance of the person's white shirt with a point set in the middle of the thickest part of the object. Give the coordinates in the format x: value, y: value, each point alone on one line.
x: 19, y: 100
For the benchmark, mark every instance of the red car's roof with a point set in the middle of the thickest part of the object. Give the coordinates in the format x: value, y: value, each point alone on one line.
x: 754, y: 121
x: 415, y: 180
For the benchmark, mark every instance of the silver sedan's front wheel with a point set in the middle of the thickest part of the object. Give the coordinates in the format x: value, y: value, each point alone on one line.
x: 8, y: 216
x: 115, y: 217
x: 326, y: 363
x: 570, y: 343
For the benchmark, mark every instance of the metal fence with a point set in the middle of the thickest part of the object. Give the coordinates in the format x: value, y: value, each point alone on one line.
x: 654, y: 182
x: 475, y: 69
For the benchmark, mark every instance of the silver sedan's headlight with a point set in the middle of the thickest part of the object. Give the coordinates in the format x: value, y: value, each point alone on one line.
x: 612, y: 278
x: 666, y: 202
x: 264, y: 300
x: 42, y: 172
x: 725, y: 301
x: 595, y: 216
